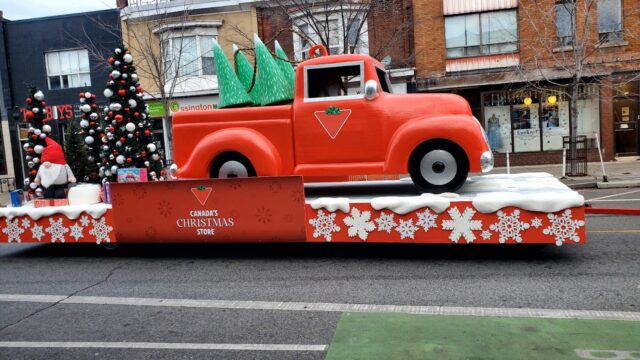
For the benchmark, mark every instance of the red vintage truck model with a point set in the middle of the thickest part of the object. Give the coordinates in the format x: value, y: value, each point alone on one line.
x: 329, y: 131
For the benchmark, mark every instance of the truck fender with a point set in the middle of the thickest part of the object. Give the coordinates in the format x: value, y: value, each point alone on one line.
x: 262, y: 154
x: 462, y: 130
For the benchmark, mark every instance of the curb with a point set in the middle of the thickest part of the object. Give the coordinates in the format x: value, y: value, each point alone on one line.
x: 618, y: 184
x: 584, y: 185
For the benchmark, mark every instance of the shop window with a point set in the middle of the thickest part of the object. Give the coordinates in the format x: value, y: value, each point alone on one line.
x: 610, y: 20
x: 487, y: 33
x: 526, y: 128
x: 335, y: 30
x: 565, y: 23
x: 67, y: 69
x: 188, y: 56
x: 555, y: 124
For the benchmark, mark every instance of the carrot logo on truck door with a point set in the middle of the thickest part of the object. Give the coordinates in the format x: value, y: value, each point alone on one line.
x: 201, y: 193
x: 333, y: 119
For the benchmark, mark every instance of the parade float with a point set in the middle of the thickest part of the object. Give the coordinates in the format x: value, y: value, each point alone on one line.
x: 273, y: 164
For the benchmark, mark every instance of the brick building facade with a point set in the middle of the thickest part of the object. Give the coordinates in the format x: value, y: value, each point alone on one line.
x: 512, y: 60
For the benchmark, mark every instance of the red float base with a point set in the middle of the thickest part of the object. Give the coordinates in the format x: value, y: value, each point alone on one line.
x: 495, y: 209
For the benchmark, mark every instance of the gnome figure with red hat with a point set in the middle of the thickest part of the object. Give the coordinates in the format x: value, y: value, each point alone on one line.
x: 54, y: 174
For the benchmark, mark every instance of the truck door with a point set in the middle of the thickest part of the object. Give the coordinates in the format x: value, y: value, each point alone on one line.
x: 334, y: 123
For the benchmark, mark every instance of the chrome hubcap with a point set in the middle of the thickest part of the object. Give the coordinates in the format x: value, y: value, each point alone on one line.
x: 233, y: 169
x: 438, y: 167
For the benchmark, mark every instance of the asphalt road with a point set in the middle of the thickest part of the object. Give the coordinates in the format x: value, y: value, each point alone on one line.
x: 600, y: 275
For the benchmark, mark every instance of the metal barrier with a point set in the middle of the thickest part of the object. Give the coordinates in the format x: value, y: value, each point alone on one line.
x: 576, y: 164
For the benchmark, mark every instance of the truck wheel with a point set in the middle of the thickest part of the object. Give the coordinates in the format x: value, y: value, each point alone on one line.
x: 438, y: 166
x: 231, y: 165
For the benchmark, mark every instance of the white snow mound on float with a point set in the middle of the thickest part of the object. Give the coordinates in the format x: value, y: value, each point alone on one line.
x: 331, y: 204
x: 550, y: 201
x: 405, y: 204
x: 72, y: 212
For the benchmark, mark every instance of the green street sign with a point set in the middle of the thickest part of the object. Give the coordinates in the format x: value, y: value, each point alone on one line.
x: 156, y: 109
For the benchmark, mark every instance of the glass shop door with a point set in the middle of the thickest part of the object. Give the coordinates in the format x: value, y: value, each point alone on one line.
x: 625, y: 125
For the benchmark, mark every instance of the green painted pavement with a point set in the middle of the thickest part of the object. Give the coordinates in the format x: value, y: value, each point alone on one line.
x: 404, y: 336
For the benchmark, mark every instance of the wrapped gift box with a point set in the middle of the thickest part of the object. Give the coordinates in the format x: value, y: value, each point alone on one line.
x: 17, y: 198
x: 132, y: 175
x: 50, y: 202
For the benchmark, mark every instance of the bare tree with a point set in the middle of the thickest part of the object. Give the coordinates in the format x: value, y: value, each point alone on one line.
x: 566, y: 53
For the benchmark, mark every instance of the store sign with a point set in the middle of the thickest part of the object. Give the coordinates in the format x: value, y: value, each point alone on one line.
x: 194, y: 104
x: 211, y: 210
x: 58, y: 112
x: 155, y: 109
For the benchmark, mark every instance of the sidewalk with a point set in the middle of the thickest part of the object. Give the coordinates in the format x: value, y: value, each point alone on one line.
x: 621, y: 173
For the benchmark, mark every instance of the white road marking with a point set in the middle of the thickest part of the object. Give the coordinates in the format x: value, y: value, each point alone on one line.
x: 163, y: 346
x: 329, y: 307
x: 614, y: 195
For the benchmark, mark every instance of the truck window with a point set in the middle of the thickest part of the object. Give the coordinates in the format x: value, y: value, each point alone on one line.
x: 384, y: 80
x: 331, y: 81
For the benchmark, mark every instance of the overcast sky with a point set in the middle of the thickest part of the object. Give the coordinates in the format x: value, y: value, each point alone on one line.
x: 26, y: 9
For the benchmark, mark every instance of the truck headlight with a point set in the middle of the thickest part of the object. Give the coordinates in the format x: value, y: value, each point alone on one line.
x: 486, y: 161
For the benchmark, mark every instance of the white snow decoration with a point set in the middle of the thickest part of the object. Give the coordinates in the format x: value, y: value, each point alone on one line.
x: 358, y: 224
x: 385, y: 222
x: 331, y: 204
x: 36, y: 232
x: 13, y: 230
x: 405, y: 204
x: 486, y: 235
x: 512, y: 182
x: 84, y: 194
x: 56, y: 230
x: 406, y: 229
x: 427, y: 220
x: 546, y: 201
x: 84, y: 220
x: 72, y: 212
x: 563, y: 227
x: 509, y: 226
x: 462, y: 225
x: 100, y: 230
x: 76, y: 231
x: 26, y: 223
x: 85, y: 108
x: 324, y: 225
x: 536, y: 222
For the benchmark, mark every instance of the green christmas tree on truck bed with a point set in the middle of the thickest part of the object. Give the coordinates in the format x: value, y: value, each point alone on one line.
x: 128, y: 140
x: 245, y: 73
x: 232, y: 92
x: 271, y: 84
x: 285, y: 67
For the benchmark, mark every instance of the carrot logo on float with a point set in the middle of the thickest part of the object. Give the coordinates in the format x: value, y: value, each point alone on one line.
x: 333, y: 119
x: 201, y: 193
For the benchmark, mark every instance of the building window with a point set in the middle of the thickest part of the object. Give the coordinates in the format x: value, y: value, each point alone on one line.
x: 188, y: 56
x: 610, y: 20
x: 68, y: 69
x: 487, y: 33
x: 565, y: 23
x: 333, y: 32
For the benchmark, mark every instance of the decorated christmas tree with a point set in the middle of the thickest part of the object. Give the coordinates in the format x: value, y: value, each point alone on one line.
x: 285, y: 66
x: 245, y: 72
x: 91, y: 132
x: 75, y: 151
x: 128, y: 140
x: 232, y: 92
x: 35, y: 114
x: 270, y: 86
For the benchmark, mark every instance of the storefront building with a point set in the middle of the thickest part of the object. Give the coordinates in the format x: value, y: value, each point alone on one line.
x: 64, y: 56
x: 512, y: 60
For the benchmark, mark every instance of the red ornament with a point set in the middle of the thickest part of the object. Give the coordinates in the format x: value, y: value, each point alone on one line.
x: 163, y: 173
x: 33, y: 173
x: 111, y: 60
x: 122, y: 92
x: 92, y: 123
x: 29, y: 100
x: 122, y: 140
x: 115, y: 151
x: 125, y: 67
x: 34, y: 137
x: 143, y: 153
x: 127, y: 109
x: 136, y: 114
x: 110, y: 113
x: 30, y: 150
x: 94, y: 106
x: 123, y: 82
x: 81, y: 95
x: 118, y: 118
x: 138, y: 89
x: 44, y: 103
x: 93, y: 96
x: 147, y: 132
x: 29, y: 115
x: 129, y: 160
x: 111, y: 128
x: 137, y: 133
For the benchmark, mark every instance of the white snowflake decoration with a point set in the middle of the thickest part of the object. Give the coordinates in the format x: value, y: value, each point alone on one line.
x: 324, y: 225
x: 36, y: 232
x: 26, y: 223
x: 385, y: 222
x: 486, y: 235
x: 359, y: 224
x: 13, y: 230
x: 100, y: 231
x: 427, y: 220
x: 536, y: 222
x: 509, y: 226
x: 84, y: 220
x: 563, y: 227
x: 56, y: 230
x: 406, y: 229
x: 462, y: 225
x: 76, y: 231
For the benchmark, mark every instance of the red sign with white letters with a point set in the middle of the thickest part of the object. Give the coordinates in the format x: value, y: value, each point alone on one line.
x: 213, y: 210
